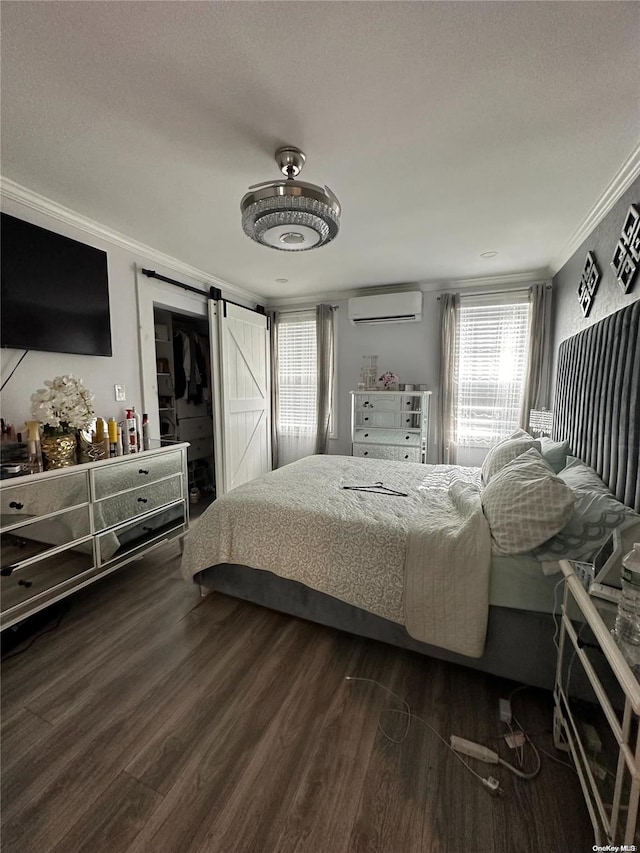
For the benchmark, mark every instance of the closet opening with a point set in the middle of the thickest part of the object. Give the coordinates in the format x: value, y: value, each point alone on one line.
x: 185, y: 395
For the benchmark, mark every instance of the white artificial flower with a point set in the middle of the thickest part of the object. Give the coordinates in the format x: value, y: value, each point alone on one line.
x: 64, y: 404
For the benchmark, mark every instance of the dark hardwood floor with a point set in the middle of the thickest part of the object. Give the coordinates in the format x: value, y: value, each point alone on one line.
x: 153, y: 720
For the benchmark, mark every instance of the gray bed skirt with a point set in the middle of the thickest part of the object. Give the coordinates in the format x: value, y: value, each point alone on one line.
x: 528, y: 656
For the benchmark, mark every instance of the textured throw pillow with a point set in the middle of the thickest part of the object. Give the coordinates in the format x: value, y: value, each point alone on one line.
x: 578, y: 475
x: 554, y: 452
x: 506, y: 450
x: 595, y: 516
x: 525, y: 504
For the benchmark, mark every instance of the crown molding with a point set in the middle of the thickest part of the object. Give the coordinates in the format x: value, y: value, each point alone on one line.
x: 484, y: 283
x: 28, y: 198
x: 620, y: 183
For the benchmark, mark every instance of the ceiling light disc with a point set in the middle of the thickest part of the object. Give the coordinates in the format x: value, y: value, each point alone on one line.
x: 290, y: 238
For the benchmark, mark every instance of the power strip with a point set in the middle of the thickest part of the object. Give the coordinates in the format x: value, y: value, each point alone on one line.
x: 606, y: 593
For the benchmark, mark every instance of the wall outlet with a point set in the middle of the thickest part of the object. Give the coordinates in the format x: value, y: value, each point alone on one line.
x: 121, y: 393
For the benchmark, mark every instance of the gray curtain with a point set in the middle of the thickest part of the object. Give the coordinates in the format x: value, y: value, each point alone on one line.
x: 449, y: 303
x: 536, y: 387
x: 275, y: 388
x: 324, y: 345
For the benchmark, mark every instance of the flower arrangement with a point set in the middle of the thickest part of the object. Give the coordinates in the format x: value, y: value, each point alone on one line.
x: 63, y: 406
x: 389, y: 379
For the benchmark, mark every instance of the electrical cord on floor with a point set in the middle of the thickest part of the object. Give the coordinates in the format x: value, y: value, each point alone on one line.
x: 489, y: 782
x: 36, y: 637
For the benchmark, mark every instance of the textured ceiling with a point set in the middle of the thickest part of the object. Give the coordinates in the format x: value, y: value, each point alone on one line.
x: 445, y: 129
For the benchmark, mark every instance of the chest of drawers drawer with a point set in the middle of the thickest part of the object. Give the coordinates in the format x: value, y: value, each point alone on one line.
x: 378, y: 402
x: 37, y: 537
x: 191, y: 429
x: 385, y: 451
x: 387, y: 436
x: 41, y: 578
x: 135, y: 534
x: 140, y: 471
x: 42, y: 497
x: 126, y: 505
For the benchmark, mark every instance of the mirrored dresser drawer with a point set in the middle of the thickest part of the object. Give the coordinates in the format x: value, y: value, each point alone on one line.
x: 41, y: 579
x: 126, y: 505
x: 139, y: 471
x: 38, y: 497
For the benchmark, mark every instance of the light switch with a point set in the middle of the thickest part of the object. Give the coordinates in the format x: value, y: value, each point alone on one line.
x: 121, y: 393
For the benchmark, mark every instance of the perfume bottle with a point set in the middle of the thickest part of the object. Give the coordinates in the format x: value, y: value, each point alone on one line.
x: 34, y: 462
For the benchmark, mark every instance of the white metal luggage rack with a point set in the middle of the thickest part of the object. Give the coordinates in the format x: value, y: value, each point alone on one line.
x: 604, y: 742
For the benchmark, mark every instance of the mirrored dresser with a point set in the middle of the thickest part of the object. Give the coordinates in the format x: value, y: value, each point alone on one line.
x: 61, y: 530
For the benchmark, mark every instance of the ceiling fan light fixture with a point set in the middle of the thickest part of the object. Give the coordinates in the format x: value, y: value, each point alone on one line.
x: 290, y: 215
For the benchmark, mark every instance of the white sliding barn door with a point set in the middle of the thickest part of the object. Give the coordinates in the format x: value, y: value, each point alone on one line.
x: 245, y: 404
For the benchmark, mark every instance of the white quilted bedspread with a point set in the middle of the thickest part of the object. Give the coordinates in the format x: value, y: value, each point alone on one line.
x: 422, y: 560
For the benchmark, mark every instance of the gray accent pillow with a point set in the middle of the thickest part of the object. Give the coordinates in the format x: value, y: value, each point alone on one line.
x: 578, y: 475
x: 525, y: 504
x: 554, y: 452
x: 506, y: 450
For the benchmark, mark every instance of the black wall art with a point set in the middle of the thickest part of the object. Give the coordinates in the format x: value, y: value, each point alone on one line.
x: 626, y: 257
x: 589, y: 281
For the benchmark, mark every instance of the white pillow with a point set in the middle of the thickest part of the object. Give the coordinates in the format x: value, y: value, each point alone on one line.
x: 525, y: 504
x: 506, y: 450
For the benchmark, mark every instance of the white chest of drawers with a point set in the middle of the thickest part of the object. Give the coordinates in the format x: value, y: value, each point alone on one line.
x: 390, y: 424
x: 61, y: 530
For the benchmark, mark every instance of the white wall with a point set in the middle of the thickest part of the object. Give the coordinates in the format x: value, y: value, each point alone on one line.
x: 99, y: 374
x: 411, y: 350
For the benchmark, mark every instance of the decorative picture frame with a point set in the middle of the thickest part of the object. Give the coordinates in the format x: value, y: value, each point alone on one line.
x: 589, y: 281
x: 626, y: 255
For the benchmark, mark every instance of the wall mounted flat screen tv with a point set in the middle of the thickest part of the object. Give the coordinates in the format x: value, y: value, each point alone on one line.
x: 54, y: 292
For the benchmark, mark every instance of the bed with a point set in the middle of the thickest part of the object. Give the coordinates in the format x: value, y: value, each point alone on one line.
x: 353, y: 558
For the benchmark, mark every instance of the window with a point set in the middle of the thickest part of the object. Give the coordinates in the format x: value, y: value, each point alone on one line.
x: 297, y: 373
x: 300, y: 376
x: 492, y: 345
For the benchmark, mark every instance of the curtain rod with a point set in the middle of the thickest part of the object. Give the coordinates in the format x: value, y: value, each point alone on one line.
x: 492, y: 292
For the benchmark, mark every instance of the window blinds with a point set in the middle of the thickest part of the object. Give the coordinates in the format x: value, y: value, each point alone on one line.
x: 297, y: 363
x: 491, y: 362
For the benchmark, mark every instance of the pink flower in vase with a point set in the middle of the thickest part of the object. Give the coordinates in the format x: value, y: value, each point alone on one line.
x: 389, y: 380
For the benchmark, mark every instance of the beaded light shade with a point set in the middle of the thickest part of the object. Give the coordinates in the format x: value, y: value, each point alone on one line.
x: 290, y: 215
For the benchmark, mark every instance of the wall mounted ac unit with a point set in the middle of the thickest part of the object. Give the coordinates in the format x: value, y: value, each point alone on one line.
x: 386, y: 308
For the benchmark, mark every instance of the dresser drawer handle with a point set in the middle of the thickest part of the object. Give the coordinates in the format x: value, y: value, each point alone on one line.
x: 5, y: 571
x: 366, y: 453
x: 407, y: 437
x: 16, y: 505
x: 25, y: 583
x: 406, y: 455
x: 142, y: 471
x: 142, y: 500
x: 366, y: 435
x: 148, y: 529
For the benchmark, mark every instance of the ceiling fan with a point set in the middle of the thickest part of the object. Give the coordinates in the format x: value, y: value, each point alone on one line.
x: 290, y: 215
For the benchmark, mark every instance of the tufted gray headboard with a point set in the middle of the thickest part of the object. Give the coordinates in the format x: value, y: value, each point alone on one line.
x: 597, y: 400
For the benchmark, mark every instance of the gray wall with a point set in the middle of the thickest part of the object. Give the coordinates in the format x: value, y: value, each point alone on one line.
x: 568, y: 318
x: 411, y: 350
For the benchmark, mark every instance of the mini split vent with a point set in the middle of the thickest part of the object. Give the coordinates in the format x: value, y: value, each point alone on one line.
x: 386, y: 308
